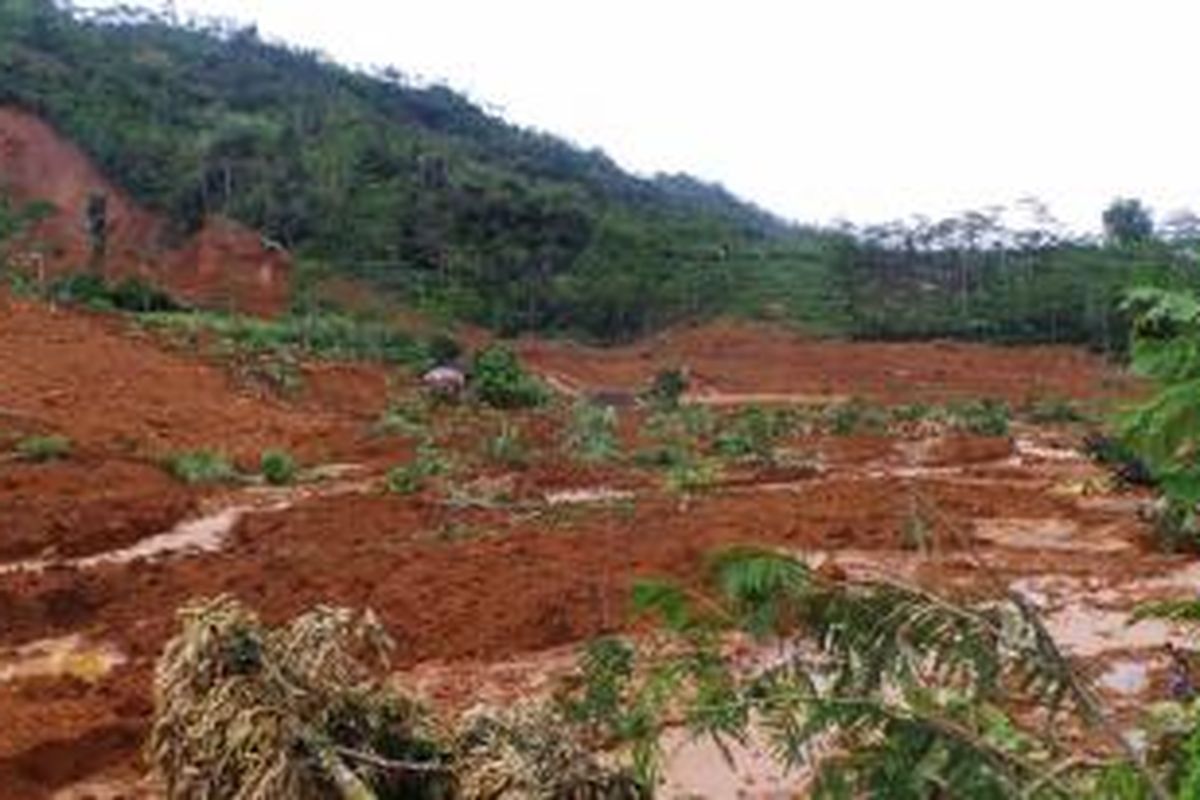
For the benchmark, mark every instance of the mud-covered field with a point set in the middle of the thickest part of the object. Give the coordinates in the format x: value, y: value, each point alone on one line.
x: 488, y: 576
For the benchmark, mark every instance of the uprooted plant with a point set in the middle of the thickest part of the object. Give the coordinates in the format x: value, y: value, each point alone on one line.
x: 298, y: 711
x: 305, y: 711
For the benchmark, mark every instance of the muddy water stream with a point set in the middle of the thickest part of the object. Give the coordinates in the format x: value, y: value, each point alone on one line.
x: 203, y: 534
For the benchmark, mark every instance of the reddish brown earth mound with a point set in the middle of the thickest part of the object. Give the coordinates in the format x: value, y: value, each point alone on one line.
x: 224, y: 265
x: 771, y: 363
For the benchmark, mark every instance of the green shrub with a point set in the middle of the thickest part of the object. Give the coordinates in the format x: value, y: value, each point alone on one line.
x: 592, y: 435
x: 201, y: 466
x: 411, y: 477
x: 500, y: 381
x: 43, y: 448
x: 277, y: 467
x: 667, y: 389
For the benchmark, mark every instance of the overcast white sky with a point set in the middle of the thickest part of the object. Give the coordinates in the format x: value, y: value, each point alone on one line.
x: 816, y: 109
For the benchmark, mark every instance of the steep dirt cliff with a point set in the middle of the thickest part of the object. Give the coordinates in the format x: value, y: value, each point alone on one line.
x: 224, y: 265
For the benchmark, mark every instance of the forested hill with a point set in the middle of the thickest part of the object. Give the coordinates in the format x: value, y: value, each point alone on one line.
x: 422, y: 194
x: 413, y: 187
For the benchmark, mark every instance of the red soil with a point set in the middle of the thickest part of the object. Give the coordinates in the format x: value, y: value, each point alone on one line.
x: 450, y: 583
x: 224, y: 265
x: 749, y: 359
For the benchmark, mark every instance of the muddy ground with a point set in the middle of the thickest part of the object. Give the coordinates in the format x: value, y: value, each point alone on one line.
x: 487, y: 579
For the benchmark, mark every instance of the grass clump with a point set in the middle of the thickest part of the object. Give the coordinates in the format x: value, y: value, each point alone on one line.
x: 201, y: 466
x: 278, y: 467
x: 592, y: 435
x: 507, y: 447
x: 40, y: 449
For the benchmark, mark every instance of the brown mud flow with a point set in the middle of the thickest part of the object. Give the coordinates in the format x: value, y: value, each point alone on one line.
x: 477, y: 592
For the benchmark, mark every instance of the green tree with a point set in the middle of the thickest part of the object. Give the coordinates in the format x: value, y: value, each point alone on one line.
x: 1127, y: 222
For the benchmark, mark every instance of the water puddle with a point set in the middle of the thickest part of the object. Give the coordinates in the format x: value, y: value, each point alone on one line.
x: 204, y: 534
x: 600, y: 494
x: 1031, y: 449
x: 1046, y: 534
x: 1126, y: 677
x: 68, y: 656
x: 697, y: 767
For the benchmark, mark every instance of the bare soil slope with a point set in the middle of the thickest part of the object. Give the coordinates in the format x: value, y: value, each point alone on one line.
x: 461, y: 581
x: 770, y: 362
x: 223, y: 265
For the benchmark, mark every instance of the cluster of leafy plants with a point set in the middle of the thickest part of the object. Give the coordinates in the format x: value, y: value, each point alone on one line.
x: 753, y: 433
x: 499, y: 380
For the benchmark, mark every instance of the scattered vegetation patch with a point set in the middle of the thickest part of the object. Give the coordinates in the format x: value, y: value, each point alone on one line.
x: 412, y: 477
x: 856, y: 416
x: 319, y: 334
x: 592, y: 433
x: 408, y: 418
x: 753, y: 433
x: 1053, y: 411
x: 507, y: 447
x: 40, y: 449
x: 202, y: 467
x: 93, y: 291
x: 986, y: 417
